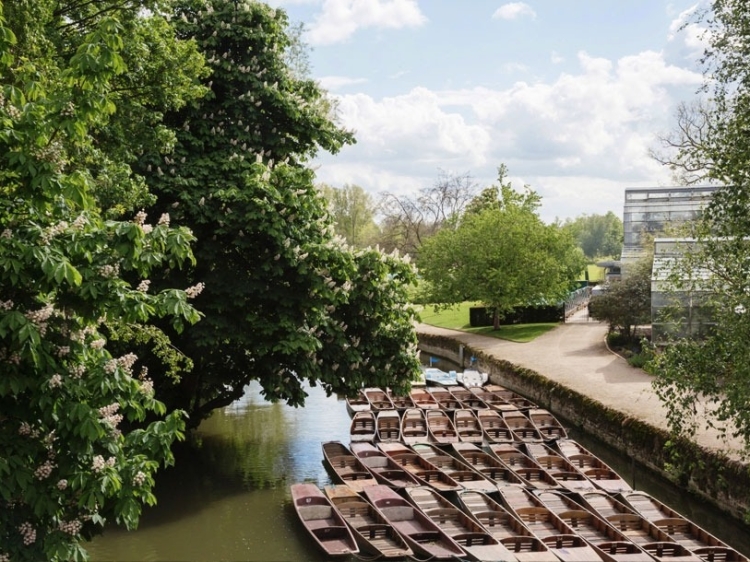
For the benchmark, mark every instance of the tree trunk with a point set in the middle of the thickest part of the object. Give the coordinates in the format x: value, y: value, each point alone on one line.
x: 496, y: 319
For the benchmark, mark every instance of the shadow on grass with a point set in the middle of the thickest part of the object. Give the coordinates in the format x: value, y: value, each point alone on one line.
x: 519, y: 333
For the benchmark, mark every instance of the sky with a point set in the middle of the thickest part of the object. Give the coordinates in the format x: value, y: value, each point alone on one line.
x: 569, y: 94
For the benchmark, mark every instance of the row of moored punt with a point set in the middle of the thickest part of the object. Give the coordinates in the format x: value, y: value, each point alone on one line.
x: 484, y: 474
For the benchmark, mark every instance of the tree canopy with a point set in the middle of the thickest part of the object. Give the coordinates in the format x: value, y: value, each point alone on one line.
x: 353, y: 213
x: 502, y: 254
x: 599, y: 236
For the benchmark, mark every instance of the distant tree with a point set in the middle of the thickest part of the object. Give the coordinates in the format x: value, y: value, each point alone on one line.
x: 599, y: 236
x: 626, y: 304
x: 503, y: 256
x: 408, y: 220
x: 352, y: 210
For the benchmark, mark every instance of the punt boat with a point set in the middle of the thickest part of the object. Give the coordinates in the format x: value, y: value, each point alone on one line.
x: 445, y: 400
x: 511, y: 397
x: 414, y: 426
x: 347, y: 468
x: 357, y: 403
x: 498, y: 521
x: 522, y: 427
x: 388, y: 426
x: 681, y: 529
x: 467, y: 427
x: 487, y: 464
x: 491, y: 399
x: 379, y: 399
x: 440, y: 428
x: 362, y: 427
x: 595, y: 469
x: 560, y: 468
x: 494, y: 428
x: 458, y: 470
x: 547, y: 424
x: 325, y: 525
x: 610, y: 544
x: 402, y: 403
x: 385, y: 470
x: 373, y: 533
x: 478, y: 543
x: 467, y: 398
x: 423, y: 399
x: 422, y: 535
x: 423, y: 470
x: 524, y: 466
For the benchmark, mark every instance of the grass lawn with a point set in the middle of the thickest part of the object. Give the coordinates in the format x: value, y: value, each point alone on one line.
x: 457, y: 318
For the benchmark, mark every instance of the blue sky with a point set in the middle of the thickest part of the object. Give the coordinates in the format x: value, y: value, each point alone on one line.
x: 570, y: 95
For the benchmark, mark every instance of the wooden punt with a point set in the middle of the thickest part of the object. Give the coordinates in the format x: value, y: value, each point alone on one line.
x: 524, y: 466
x: 357, y: 403
x: 491, y: 399
x: 424, y: 471
x: 547, y: 424
x: 610, y: 544
x: 501, y: 524
x: 440, y: 428
x: 414, y: 426
x: 379, y: 399
x: 402, y: 403
x: 422, y: 535
x: 522, y: 427
x: 511, y: 397
x: 559, y: 467
x: 388, y: 426
x: 494, y: 428
x: 467, y: 398
x: 478, y: 543
x: 547, y: 526
x: 325, y: 525
x: 595, y: 469
x: 458, y: 470
x: 385, y: 470
x: 487, y: 464
x: 423, y: 399
x: 373, y: 533
x: 347, y: 468
x: 445, y: 400
x: 648, y: 536
x: 682, y: 530
x: 362, y: 427
x: 467, y: 427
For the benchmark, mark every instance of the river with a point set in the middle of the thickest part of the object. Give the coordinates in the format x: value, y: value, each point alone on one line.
x: 228, y: 497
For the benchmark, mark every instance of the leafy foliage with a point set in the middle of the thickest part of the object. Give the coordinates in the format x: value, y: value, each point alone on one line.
x: 599, y: 236
x: 353, y: 211
x: 626, y: 304
x: 501, y: 254
x: 81, y: 433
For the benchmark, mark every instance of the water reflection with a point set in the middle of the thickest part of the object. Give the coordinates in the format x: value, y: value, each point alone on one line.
x: 228, y: 498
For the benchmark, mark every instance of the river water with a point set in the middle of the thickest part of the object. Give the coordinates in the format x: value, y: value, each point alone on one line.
x: 228, y: 497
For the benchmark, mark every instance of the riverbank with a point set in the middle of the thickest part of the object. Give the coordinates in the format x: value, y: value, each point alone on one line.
x: 571, y: 372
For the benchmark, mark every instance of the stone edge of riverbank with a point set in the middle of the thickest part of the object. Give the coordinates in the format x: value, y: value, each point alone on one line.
x: 711, y: 475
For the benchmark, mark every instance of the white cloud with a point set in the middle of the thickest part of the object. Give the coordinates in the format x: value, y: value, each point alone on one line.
x: 340, y: 19
x: 556, y: 58
x: 333, y: 83
x: 514, y: 10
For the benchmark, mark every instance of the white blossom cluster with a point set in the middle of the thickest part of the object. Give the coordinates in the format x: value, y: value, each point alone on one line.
x: 108, y: 414
x: 55, y: 381
x: 43, y: 471
x: 143, y: 286
x: 55, y: 230
x: 139, y: 479
x: 40, y: 317
x: 110, y: 271
x: 195, y: 290
x: 98, y: 463
x: 70, y: 527
x: 62, y: 484
x: 28, y: 532
x: 26, y: 430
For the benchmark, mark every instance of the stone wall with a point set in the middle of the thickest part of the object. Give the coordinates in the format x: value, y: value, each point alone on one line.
x: 718, y: 479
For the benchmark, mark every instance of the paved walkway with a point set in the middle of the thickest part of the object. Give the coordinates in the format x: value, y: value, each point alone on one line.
x: 575, y: 355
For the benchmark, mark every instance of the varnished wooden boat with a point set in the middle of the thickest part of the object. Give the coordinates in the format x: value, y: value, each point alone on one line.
x: 414, y: 427
x: 373, y: 533
x: 494, y: 428
x: 379, y: 399
x: 402, y: 403
x: 440, y: 428
x: 467, y: 427
x: 478, y: 543
x: 388, y: 426
x: 547, y: 424
x: 357, y: 403
x: 595, y: 469
x: 681, y: 529
x: 385, y: 470
x: 559, y: 467
x: 501, y: 524
x: 458, y: 470
x: 325, y: 525
x: 362, y: 427
x: 445, y: 400
x: 347, y: 468
x: 487, y: 464
x: 522, y: 427
x: 610, y: 544
x: 638, y: 529
x: 511, y: 397
x: 423, y: 399
x: 524, y: 466
x: 467, y: 398
x: 491, y: 399
x: 547, y: 526
x: 423, y: 470
x: 422, y: 535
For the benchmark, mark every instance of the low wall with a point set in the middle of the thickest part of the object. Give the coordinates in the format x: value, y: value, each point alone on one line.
x: 713, y: 476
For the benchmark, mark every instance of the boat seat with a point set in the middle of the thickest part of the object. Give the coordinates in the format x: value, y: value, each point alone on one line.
x: 472, y: 539
x: 374, y: 531
x: 353, y: 508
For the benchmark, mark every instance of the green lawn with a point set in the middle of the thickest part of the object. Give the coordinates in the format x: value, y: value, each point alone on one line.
x: 457, y: 318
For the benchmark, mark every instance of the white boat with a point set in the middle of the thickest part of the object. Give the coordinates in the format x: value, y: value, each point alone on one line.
x: 435, y: 376
x: 472, y: 378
